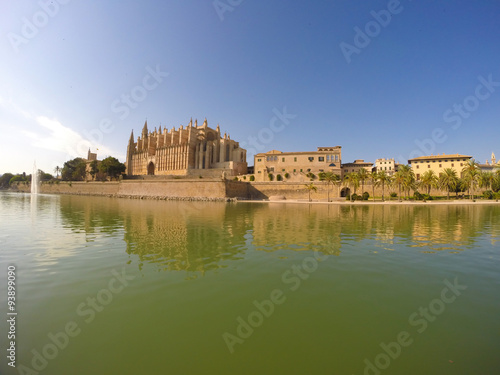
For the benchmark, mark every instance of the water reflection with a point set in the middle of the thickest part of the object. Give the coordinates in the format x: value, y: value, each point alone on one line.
x: 207, y: 236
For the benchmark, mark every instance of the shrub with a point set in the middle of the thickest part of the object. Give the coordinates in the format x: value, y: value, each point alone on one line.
x: 321, y: 176
x: 278, y: 177
x: 252, y: 178
x: 235, y: 178
x: 270, y: 176
x: 427, y: 197
x: 287, y: 175
x: 365, y: 196
x: 488, y: 194
x: 394, y: 195
x: 244, y: 177
x: 348, y: 197
x: 418, y: 196
x: 356, y: 197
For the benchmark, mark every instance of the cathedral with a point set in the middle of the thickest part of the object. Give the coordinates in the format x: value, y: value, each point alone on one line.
x: 192, y: 150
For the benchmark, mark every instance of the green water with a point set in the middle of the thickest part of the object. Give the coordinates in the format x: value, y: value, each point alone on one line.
x: 155, y: 287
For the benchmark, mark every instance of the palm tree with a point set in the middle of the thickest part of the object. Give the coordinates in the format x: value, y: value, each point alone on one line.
x: 352, y: 179
x: 57, y: 170
x: 310, y: 187
x: 471, y: 174
x: 486, y: 179
x: 408, y: 178
x: 448, y: 180
x: 374, y: 177
x: 384, y: 179
x: 331, y: 178
x: 399, y: 179
x: 429, y: 180
x: 363, y: 176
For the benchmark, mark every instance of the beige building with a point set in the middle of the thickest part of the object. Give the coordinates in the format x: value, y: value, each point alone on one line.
x: 437, y: 163
x: 297, y: 164
x: 389, y: 166
x: 356, y: 166
x: 490, y: 167
x: 192, y: 150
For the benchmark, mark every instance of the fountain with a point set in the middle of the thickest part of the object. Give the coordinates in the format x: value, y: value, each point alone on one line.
x: 34, y: 180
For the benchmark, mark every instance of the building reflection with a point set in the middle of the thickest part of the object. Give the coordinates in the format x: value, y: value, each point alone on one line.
x: 206, y: 236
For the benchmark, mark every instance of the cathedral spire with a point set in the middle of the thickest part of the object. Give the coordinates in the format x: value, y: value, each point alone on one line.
x: 205, y: 123
x: 131, y: 140
x: 145, y: 129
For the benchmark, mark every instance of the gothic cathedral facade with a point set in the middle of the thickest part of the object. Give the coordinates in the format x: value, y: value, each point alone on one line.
x: 192, y: 150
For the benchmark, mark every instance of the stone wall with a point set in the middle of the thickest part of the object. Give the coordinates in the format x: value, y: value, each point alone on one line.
x: 207, y: 189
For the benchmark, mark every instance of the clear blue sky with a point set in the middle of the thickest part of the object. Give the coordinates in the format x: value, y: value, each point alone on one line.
x: 66, y: 70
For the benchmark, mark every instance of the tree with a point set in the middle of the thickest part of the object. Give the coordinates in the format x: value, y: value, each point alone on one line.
x: 429, y: 180
x: 384, y: 179
x: 330, y: 178
x: 448, y: 180
x: 486, y: 179
x: 74, y: 170
x: 5, y: 180
x: 470, y: 174
x: 352, y: 179
x: 94, y: 168
x: 399, y: 179
x: 57, y: 170
x: 374, y: 177
x: 310, y: 187
x: 408, y: 181
x: 112, y: 167
x: 363, y: 176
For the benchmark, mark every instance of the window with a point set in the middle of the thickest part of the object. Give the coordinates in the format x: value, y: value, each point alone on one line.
x: 282, y: 159
x: 259, y: 159
x: 283, y: 170
x: 321, y: 158
x: 327, y: 157
x: 417, y: 166
x: 309, y: 170
x: 294, y: 170
x: 258, y: 171
x: 418, y: 176
x: 336, y: 158
x: 311, y: 158
x: 294, y: 159
x: 301, y: 169
x: 440, y: 165
x: 452, y: 164
x: 271, y: 169
x: 275, y: 158
x: 428, y: 165
x: 461, y: 164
